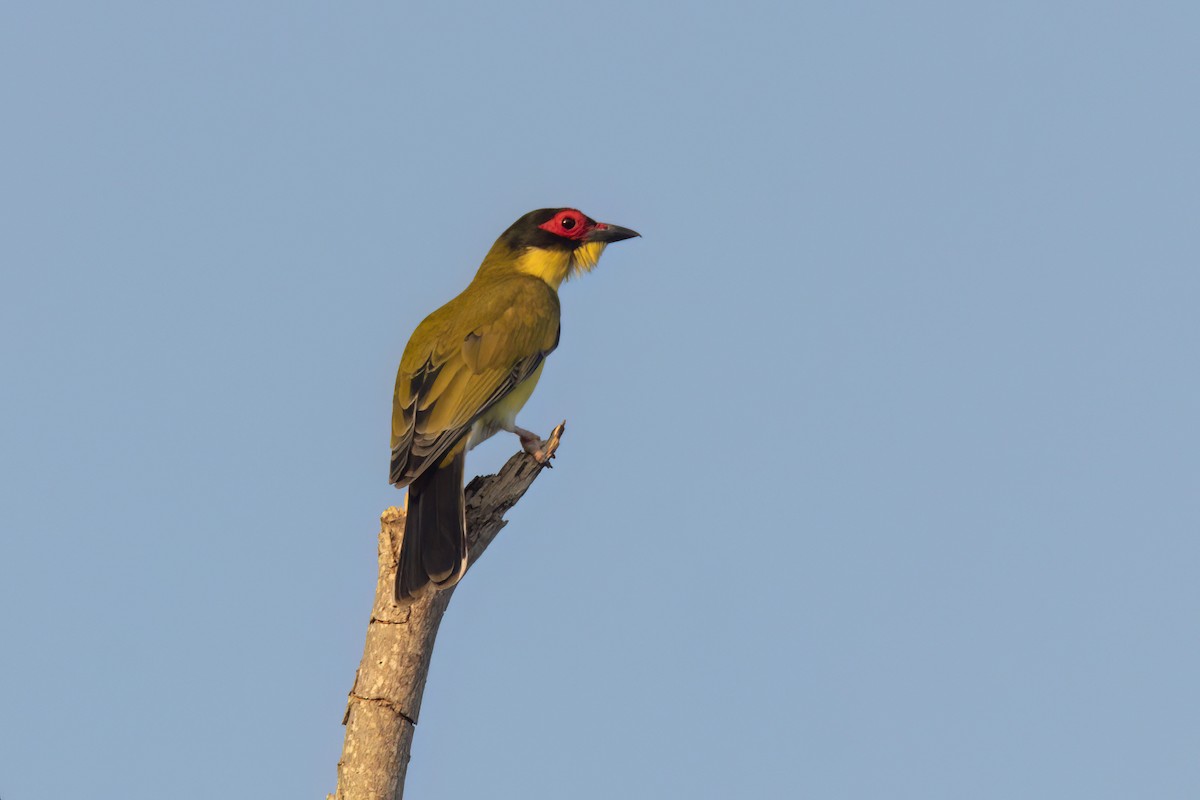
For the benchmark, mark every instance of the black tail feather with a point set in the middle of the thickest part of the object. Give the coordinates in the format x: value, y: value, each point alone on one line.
x: 434, y: 549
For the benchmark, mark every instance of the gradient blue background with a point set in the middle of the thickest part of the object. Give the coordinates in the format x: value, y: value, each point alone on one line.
x: 882, y: 471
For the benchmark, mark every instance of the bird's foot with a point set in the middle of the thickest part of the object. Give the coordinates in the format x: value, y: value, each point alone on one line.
x: 541, y: 449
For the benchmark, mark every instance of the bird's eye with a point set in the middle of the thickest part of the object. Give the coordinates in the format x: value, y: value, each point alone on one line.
x: 567, y: 223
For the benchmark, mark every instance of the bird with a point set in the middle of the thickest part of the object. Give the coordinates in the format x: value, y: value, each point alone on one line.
x: 467, y: 370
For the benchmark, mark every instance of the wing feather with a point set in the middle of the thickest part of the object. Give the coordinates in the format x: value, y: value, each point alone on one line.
x: 463, y: 359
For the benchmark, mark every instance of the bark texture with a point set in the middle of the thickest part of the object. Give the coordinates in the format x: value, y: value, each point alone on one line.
x: 385, y: 702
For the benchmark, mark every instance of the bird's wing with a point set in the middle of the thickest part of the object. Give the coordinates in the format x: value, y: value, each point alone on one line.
x: 463, y: 359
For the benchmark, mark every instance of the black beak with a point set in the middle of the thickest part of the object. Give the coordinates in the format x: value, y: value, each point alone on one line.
x: 603, y: 232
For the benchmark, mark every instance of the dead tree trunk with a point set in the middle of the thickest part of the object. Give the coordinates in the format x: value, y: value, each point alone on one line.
x: 385, y: 701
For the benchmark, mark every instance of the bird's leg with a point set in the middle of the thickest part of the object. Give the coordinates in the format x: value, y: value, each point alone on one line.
x: 532, y: 443
x: 541, y: 449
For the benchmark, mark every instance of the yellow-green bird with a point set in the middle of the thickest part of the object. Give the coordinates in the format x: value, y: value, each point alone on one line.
x: 466, y: 372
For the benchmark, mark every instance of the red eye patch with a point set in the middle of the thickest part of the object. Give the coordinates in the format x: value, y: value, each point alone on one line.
x: 569, y: 224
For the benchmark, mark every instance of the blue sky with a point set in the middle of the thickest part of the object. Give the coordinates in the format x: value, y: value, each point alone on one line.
x: 882, y: 464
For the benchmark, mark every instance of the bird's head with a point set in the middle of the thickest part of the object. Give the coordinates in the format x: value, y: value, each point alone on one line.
x: 555, y: 243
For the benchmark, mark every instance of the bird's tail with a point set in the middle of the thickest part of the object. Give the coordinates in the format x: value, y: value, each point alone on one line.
x: 434, y: 549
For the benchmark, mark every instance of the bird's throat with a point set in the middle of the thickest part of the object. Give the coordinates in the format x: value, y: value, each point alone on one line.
x: 556, y: 266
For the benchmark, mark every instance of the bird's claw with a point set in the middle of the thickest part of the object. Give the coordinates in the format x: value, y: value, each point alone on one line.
x: 543, y: 450
x: 539, y: 449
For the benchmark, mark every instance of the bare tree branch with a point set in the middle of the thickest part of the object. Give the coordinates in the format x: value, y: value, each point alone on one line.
x: 385, y: 702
